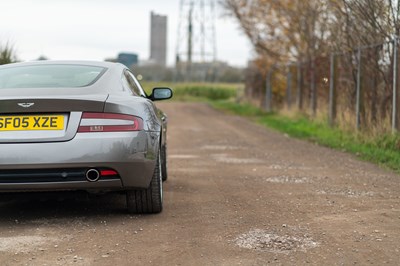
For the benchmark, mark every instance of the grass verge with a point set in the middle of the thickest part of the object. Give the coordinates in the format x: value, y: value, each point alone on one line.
x: 383, y: 149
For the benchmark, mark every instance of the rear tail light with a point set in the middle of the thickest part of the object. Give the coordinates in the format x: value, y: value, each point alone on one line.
x: 109, y: 122
x: 108, y: 172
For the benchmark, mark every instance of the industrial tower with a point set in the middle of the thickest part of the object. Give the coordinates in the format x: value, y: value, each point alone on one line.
x: 158, y: 39
x: 196, y: 51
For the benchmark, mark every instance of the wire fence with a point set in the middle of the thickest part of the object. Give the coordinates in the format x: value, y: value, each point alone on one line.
x: 358, y: 88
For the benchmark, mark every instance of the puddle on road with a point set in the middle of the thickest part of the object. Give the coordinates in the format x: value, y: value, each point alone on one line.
x: 189, y: 170
x: 182, y: 156
x: 346, y: 192
x: 291, y: 167
x: 224, y: 158
x: 23, y: 243
x: 288, y: 179
x: 192, y: 129
x: 262, y: 240
x: 277, y: 167
x: 219, y: 147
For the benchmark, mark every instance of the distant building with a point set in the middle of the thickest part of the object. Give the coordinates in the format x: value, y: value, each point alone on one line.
x: 158, y: 39
x: 128, y: 59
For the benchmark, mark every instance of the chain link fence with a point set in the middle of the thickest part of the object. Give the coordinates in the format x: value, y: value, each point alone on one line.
x: 356, y: 89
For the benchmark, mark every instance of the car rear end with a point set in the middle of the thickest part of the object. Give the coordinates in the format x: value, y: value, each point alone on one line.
x: 58, y: 137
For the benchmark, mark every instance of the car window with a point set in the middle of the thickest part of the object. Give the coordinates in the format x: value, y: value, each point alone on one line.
x: 132, y: 85
x: 125, y: 83
x: 142, y: 93
x: 49, y: 76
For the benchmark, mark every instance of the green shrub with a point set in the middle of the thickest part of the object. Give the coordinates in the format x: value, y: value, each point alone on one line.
x: 7, y: 54
x: 205, y: 91
x: 197, y: 91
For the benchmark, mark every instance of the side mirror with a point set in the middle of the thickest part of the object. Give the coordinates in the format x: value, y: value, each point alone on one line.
x: 161, y: 94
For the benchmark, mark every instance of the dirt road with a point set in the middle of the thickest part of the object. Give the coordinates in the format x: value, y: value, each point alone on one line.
x: 237, y: 194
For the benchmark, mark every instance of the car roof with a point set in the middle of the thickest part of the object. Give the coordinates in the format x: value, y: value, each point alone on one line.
x: 110, y: 65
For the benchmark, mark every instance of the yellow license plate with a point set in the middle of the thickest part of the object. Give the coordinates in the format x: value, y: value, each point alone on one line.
x: 31, y: 122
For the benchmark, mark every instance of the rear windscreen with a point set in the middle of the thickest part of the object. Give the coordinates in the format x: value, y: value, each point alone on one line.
x: 49, y: 76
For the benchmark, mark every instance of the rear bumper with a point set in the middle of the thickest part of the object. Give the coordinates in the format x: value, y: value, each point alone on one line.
x: 104, y: 185
x: 131, y: 154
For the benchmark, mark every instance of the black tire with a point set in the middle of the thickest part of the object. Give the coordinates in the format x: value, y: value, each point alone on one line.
x: 164, y: 165
x: 148, y: 200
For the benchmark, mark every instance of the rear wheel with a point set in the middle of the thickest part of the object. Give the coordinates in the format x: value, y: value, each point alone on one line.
x: 164, y: 166
x: 147, y: 200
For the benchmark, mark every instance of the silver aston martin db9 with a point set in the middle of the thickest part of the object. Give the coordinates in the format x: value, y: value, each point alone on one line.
x: 78, y: 125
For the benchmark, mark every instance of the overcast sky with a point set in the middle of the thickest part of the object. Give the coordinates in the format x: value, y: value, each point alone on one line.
x: 99, y: 29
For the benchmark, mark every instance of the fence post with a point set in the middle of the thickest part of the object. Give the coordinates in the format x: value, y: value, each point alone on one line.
x: 332, y: 90
x: 313, y: 88
x: 268, y: 92
x: 358, y: 92
x: 299, y: 87
x: 394, y: 106
x: 267, y: 103
x: 289, y: 87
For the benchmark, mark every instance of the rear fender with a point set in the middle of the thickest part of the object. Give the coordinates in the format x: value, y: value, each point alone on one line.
x: 151, y: 153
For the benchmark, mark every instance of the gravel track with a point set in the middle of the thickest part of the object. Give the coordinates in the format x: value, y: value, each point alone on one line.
x: 237, y: 193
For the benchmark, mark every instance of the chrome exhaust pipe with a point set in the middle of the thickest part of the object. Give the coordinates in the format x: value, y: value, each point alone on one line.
x: 92, y: 175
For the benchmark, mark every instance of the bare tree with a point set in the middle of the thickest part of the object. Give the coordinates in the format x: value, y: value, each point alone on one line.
x: 283, y: 31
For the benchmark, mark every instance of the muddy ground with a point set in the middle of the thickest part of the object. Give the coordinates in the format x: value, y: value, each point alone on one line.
x: 237, y: 194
